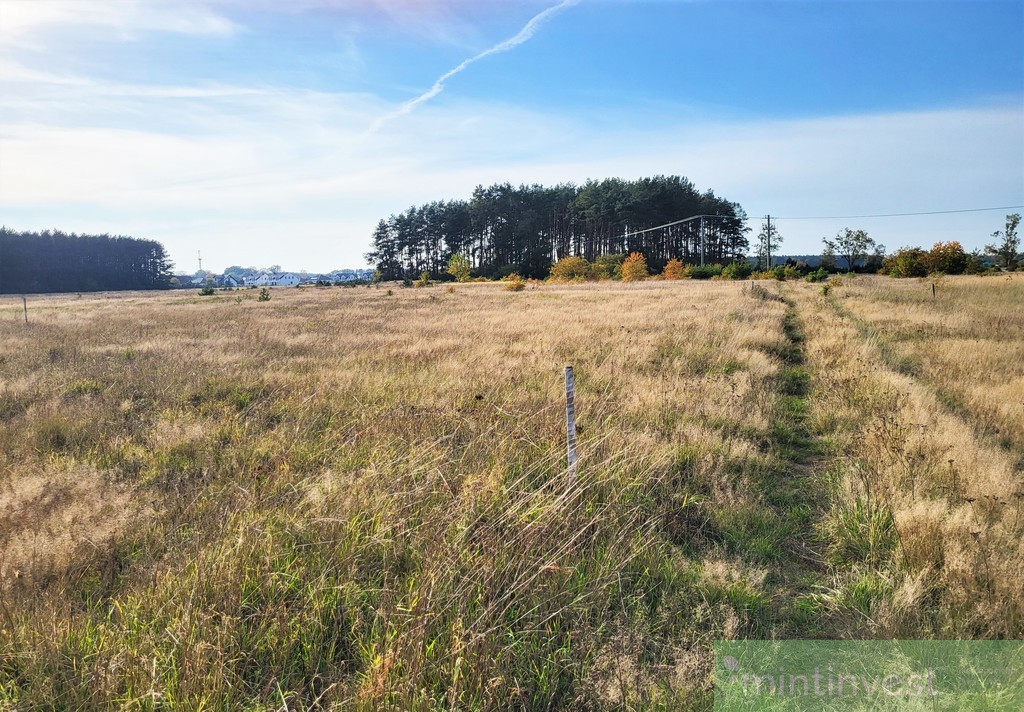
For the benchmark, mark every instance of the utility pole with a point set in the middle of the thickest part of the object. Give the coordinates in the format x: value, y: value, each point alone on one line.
x: 701, y: 240
x: 768, y: 241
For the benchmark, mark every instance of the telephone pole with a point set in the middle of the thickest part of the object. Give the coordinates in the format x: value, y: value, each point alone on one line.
x: 768, y: 241
x: 702, y: 240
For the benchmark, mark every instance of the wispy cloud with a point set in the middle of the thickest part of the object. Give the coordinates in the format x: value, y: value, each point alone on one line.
x: 270, y: 176
x: 524, y: 35
x: 22, y: 21
x: 252, y: 171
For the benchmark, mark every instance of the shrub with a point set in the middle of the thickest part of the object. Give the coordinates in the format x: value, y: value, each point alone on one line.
x: 947, y: 257
x: 264, y: 295
x: 907, y: 262
x: 506, y: 270
x: 673, y: 270
x: 571, y: 269
x: 703, y: 271
x: 607, y: 267
x: 514, y: 283
x: 819, y: 275
x: 974, y: 264
x: 759, y: 292
x: 458, y: 267
x: 784, y: 272
x: 634, y: 268
x: 737, y: 270
x: 423, y: 281
x: 207, y: 290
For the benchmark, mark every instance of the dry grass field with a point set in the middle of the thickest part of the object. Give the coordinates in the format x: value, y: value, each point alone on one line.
x: 358, y: 498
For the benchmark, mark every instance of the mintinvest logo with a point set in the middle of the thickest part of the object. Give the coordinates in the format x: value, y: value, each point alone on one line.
x: 875, y: 675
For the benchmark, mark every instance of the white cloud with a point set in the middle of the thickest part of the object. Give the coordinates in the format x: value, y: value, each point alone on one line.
x: 22, y: 21
x: 265, y: 175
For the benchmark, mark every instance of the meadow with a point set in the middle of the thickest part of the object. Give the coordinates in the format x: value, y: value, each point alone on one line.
x: 357, y: 498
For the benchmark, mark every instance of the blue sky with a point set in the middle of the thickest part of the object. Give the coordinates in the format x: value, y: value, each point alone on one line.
x: 263, y: 132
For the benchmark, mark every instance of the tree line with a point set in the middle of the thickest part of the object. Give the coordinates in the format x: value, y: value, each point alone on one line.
x: 54, y: 261
x: 503, y: 229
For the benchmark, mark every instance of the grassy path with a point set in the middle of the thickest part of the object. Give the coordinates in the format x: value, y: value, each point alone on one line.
x: 780, y: 532
x: 795, y: 492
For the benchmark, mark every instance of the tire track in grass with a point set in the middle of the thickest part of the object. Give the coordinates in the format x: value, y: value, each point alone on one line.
x: 954, y: 404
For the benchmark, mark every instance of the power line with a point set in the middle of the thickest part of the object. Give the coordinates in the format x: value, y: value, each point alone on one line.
x: 829, y: 217
x: 895, y: 215
x: 808, y: 217
x: 680, y: 222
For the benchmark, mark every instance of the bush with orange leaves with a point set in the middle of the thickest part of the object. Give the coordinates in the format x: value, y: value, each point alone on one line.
x: 634, y: 269
x: 947, y: 257
x: 571, y: 269
x: 673, y: 270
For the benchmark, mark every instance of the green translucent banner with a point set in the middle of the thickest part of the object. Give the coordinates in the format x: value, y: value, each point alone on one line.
x: 869, y: 675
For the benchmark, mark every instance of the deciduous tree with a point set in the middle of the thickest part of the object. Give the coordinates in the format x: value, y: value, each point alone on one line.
x: 1007, y: 245
x: 673, y: 270
x: 634, y: 269
x: 852, y: 245
x: 458, y: 267
x: 947, y: 257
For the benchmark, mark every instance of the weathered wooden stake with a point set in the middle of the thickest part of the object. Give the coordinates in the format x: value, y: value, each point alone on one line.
x: 24, y: 303
x: 570, y: 418
x: 933, y: 290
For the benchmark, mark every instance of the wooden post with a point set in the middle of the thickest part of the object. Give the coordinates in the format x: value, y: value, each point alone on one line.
x: 24, y: 303
x: 933, y: 290
x: 570, y: 418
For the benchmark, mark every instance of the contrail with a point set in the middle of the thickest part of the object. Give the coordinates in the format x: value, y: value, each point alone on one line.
x: 528, y: 31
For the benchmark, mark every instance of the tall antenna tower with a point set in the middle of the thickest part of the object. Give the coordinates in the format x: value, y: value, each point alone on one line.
x: 200, y: 260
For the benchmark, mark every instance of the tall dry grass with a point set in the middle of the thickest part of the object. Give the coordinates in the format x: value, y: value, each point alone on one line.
x: 358, y: 497
x: 927, y: 515
x: 965, y: 342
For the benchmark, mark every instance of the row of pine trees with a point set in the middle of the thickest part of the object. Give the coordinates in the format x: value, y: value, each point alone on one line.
x: 54, y: 261
x: 503, y: 229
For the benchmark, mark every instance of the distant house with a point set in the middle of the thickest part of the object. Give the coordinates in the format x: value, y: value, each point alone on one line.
x: 229, y: 281
x: 350, y: 275
x: 277, y: 280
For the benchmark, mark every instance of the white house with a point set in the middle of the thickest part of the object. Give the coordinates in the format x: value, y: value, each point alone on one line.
x: 277, y: 280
